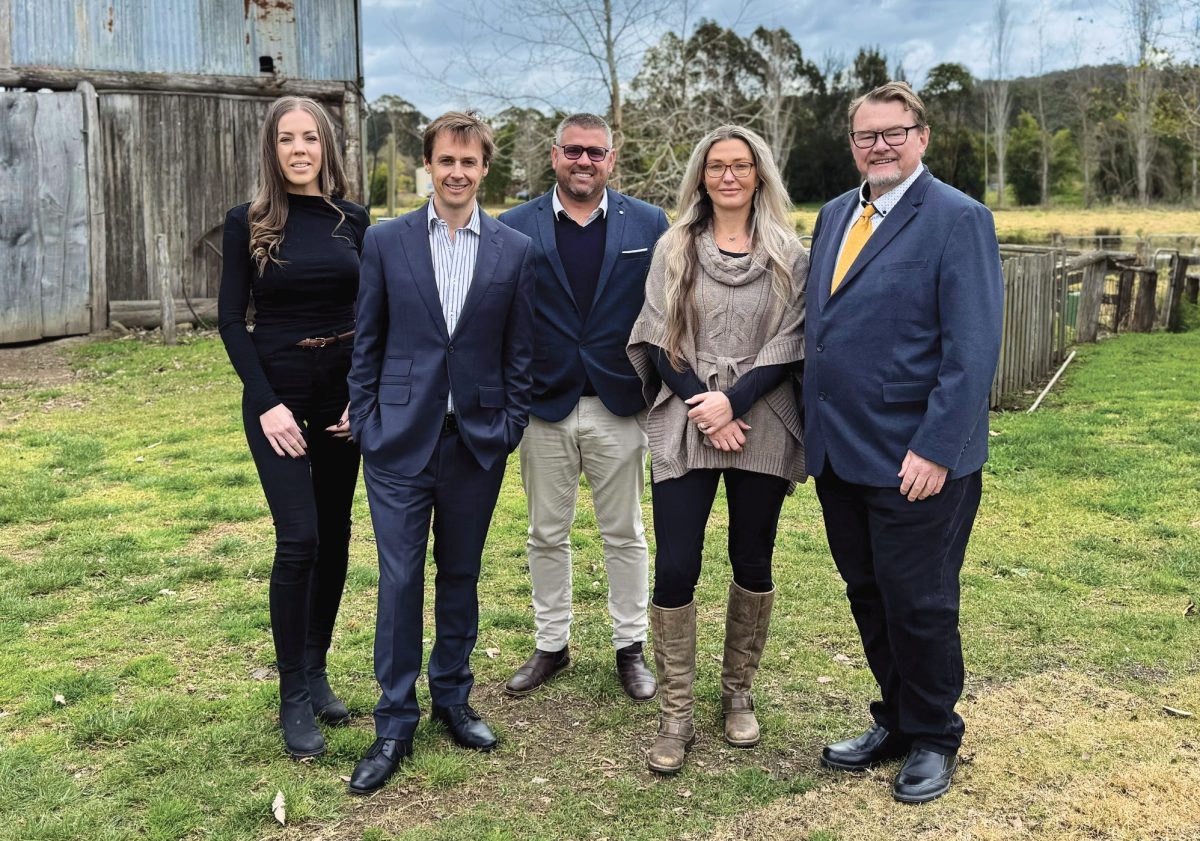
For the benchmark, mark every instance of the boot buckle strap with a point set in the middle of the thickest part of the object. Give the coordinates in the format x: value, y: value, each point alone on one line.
x: 675, y: 729
x: 739, y: 702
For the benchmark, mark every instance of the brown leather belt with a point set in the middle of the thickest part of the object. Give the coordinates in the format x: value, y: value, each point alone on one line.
x: 326, y: 342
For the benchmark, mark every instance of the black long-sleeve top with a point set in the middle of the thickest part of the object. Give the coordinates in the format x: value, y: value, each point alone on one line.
x: 311, y: 295
x: 743, y: 394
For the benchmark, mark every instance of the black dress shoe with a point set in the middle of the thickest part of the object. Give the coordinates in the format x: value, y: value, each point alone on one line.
x: 636, y: 678
x: 874, y: 746
x: 538, y: 669
x: 381, y: 761
x: 465, y: 725
x: 925, y: 776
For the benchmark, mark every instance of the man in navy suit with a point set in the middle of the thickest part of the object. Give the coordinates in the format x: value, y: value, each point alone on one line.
x: 439, y: 396
x: 902, y: 336
x: 592, y: 249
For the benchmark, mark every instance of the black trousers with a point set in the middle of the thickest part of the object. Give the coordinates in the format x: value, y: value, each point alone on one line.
x: 900, y: 561
x: 458, y: 496
x: 309, y: 498
x: 681, y: 508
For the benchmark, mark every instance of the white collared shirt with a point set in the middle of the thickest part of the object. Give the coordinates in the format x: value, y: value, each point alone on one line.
x: 601, y: 209
x: 883, y: 205
x: 453, y: 266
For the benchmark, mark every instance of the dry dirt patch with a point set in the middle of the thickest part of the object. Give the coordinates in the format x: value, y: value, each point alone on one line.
x: 1053, y: 756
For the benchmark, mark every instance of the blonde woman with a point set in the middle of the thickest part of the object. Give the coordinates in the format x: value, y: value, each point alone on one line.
x: 295, y: 250
x: 715, y: 345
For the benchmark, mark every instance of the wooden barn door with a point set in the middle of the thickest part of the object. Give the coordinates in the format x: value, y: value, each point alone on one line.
x: 45, y: 286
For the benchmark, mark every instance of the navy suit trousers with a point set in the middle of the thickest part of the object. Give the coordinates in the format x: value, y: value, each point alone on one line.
x: 900, y: 561
x: 459, y: 496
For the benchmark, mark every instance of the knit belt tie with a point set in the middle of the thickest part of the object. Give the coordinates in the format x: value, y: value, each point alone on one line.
x: 723, y: 371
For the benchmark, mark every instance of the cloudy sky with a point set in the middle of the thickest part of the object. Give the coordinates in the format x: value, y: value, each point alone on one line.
x: 431, y: 53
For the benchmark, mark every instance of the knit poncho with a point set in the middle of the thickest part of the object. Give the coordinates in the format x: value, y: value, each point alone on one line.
x: 742, y: 324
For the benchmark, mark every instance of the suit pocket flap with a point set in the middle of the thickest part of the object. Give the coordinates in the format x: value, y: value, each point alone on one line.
x: 394, y: 366
x: 913, y: 392
x: 491, y: 397
x: 394, y: 393
x: 906, y: 265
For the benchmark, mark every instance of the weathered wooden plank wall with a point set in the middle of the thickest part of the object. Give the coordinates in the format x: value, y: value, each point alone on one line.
x: 174, y: 164
x: 44, y: 245
x: 1033, y: 339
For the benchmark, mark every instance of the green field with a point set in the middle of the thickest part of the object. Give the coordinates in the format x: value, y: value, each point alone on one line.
x: 137, y: 695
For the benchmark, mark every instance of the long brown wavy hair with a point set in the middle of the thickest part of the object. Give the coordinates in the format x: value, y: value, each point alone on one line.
x: 269, y: 208
x: 772, y: 236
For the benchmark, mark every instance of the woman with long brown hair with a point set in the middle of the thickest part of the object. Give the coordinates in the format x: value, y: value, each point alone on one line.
x: 294, y: 249
x: 715, y: 343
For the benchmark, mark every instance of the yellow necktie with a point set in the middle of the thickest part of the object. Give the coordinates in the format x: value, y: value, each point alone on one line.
x: 859, y: 234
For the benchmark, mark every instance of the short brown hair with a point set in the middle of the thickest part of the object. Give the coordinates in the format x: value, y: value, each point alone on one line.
x: 465, y: 126
x: 900, y: 92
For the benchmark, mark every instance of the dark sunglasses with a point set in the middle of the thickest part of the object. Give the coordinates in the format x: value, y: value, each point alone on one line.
x: 574, y: 152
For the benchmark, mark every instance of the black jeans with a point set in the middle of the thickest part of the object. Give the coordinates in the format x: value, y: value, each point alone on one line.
x: 681, y: 508
x: 309, y: 498
x: 900, y: 561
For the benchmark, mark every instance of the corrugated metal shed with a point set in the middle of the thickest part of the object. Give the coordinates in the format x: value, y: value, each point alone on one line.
x: 306, y: 39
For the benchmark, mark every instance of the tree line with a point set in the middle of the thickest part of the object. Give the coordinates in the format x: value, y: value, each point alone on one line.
x: 1081, y: 136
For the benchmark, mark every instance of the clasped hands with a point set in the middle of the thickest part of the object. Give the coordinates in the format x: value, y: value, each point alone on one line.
x: 713, y: 415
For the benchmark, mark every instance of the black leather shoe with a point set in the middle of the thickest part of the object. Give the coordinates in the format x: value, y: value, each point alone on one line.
x: 465, y: 725
x: 925, y: 776
x: 381, y: 761
x: 874, y: 746
x: 538, y: 669
x: 636, y: 678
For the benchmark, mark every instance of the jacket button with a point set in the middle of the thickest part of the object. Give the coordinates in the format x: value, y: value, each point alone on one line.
x: 820, y: 348
x: 821, y: 395
x: 450, y: 349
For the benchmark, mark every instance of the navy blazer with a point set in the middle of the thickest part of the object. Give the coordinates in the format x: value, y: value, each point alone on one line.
x: 902, y: 356
x: 567, y: 349
x: 405, y: 362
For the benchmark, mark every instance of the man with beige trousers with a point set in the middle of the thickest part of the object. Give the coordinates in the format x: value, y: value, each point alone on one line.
x: 592, y: 249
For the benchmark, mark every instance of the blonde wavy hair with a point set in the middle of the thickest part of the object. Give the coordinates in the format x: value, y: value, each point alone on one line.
x: 269, y: 208
x: 772, y: 236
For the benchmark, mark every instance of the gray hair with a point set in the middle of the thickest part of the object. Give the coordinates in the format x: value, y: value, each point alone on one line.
x: 585, y: 121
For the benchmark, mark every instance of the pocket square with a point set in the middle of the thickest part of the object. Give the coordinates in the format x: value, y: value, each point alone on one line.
x: 636, y: 251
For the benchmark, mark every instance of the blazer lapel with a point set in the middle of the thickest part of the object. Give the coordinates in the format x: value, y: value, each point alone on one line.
x: 832, y: 243
x: 895, y: 221
x: 420, y: 264
x: 545, y: 221
x: 612, y: 246
x: 485, y: 266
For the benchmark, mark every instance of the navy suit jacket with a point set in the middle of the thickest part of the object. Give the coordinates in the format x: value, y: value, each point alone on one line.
x: 567, y: 348
x: 902, y: 356
x: 405, y: 362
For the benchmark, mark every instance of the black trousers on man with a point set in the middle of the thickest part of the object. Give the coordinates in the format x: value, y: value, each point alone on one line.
x: 458, y: 496
x: 900, y: 561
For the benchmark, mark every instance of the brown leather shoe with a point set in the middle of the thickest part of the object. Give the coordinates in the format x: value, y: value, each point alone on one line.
x: 538, y: 669
x: 636, y: 678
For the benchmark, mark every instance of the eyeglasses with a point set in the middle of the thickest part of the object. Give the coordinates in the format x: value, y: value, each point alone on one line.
x: 740, y: 169
x: 573, y: 152
x: 891, y: 136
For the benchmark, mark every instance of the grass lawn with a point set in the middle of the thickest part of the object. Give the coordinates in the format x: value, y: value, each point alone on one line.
x: 137, y: 694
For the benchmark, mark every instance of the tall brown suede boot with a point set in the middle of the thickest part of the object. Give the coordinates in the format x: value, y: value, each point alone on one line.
x: 675, y: 658
x: 747, y: 618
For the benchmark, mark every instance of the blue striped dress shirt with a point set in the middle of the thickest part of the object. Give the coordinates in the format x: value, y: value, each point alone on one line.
x: 453, y: 267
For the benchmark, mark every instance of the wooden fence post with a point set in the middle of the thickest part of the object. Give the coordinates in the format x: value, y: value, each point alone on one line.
x: 1087, y: 322
x: 1123, y: 314
x: 1144, y: 309
x: 165, y: 298
x: 1179, y: 268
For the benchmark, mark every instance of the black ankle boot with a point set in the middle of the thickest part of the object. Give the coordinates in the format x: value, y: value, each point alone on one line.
x: 325, y: 705
x: 301, y: 736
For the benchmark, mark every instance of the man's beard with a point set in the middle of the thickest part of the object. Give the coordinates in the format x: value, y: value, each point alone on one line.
x: 880, y: 180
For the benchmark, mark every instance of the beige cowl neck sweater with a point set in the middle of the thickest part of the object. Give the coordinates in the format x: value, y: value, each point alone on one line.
x: 742, y: 324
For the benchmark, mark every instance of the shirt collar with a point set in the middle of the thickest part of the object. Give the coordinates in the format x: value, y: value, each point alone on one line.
x: 885, y: 203
x: 432, y: 218
x: 559, y: 210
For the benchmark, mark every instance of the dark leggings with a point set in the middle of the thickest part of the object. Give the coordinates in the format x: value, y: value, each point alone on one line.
x: 681, y: 509
x: 309, y: 498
